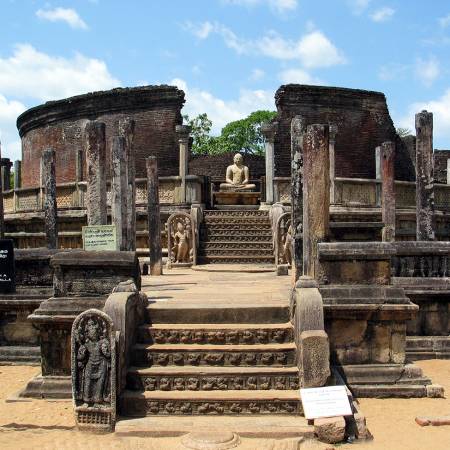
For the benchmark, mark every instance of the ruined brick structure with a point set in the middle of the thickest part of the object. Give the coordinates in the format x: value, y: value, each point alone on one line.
x: 440, y: 165
x: 363, y: 122
x: 59, y: 124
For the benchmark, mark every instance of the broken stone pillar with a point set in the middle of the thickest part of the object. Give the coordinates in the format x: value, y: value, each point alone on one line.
x: 269, y: 130
x: 6, y: 174
x: 316, y: 194
x: 126, y: 130
x: 297, y: 130
x: 448, y: 171
x: 49, y: 192
x: 333, y: 133
x: 17, y: 174
x: 183, y: 140
x: 387, y: 162
x: 154, y: 221
x: 79, y: 165
x: 424, y: 177
x: 95, y: 148
x: 377, y: 163
x: 119, y: 186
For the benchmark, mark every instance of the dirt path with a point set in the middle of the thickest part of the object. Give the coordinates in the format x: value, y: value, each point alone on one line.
x: 50, y: 425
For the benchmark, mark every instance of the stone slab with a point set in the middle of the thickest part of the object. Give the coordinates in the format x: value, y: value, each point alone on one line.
x: 237, y: 198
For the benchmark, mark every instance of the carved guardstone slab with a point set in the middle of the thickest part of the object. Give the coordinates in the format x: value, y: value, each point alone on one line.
x: 94, y: 377
x: 7, y: 272
x: 181, y: 241
x: 99, y: 238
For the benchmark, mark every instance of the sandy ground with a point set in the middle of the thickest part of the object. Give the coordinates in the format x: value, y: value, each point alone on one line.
x: 50, y: 425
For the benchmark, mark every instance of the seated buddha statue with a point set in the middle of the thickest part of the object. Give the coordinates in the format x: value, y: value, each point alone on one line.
x: 237, y: 177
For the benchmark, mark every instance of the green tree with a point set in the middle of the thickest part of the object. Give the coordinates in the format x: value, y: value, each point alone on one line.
x: 238, y: 136
x: 403, y: 132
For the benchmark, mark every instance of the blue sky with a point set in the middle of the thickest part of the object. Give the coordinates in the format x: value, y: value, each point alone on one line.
x: 229, y: 56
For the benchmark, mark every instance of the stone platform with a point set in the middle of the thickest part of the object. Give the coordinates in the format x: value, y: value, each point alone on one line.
x: 237, y: 198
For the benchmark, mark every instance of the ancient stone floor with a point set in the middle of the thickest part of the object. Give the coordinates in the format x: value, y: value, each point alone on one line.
x: 219, y: 284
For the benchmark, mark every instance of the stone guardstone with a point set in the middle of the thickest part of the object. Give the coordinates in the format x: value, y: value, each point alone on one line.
x: 314, y: 358
x: 211, y: 440
x: 94, y: 376
x: 7, y: 268
x: 330, y: 429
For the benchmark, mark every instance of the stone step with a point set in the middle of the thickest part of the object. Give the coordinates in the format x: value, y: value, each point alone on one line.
x: 274, y: 355
x: 235, y: 245
x: 389, y: 390
x: 234, y: 213
x: 234, y: 402
x: 230, y: 334
x: 15, y: 354
x: 235, y: 259
x: 237, y: 251
x: 199, y: 312
x: 212, y: 238
x: 263, y: 427
x: 203, y: 378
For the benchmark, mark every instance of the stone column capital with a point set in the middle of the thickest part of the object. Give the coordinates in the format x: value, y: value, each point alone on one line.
x: 183, y: 132
x: 424, y: 118
x: 333, y: 132
x: 269, y: 130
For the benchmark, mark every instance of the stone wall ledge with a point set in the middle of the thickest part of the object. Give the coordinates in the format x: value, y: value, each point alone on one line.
x: 355, y: 251
x: 88, y: 259
x: 355, y: 294
x: 373, y: 312
x: 421, y: 248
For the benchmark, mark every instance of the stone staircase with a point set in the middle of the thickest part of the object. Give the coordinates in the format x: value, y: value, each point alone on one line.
x: 236, y: 236
x: 219, y: 367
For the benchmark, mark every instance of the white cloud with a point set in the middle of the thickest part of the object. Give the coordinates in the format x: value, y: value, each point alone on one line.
x: 298, y: 76
x: 67, y: 15
x: 444, y: 22
x: 427, y: 71
x: 358, y: 6
x: 9, y: 110
x: 441, y: 118
x: 276, y: 5
x: 383, y: 14
x: 221, y: 111
x: 203, y: 30
x: 393, y: 71
x: 313, y: 49
x: 34, y: 74
x: 257, y: 74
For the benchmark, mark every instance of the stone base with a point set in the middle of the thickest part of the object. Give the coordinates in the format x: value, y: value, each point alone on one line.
x: 427, y: 347
x: 95, y: 420
x: 237, y: 198
x: 388, y: 380
x: 52, y: 387
x: 20, y: 355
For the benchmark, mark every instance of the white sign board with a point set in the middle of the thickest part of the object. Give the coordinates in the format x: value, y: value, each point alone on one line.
x: 328, y: 401
x: 99, y: 237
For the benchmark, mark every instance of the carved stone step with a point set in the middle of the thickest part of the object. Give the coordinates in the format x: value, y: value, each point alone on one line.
x: 235, y: 259
x: 214, y: 355
x: 222, y: 237
x: 237, y: 251
x: 138, y: 404
x: 234, y: 213
x: 212, y: 378
x: 230, y: 334
x: 235, y: 223
x: 204, y: 311
x: 234, y: 245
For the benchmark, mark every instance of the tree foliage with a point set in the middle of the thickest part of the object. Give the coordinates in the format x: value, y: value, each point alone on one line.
x: 242, y: 135
x: 403, y: 132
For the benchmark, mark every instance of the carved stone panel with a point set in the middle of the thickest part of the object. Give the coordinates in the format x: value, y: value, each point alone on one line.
x: 181, y: 240
x: 283, y: 240
x: 94, y: 371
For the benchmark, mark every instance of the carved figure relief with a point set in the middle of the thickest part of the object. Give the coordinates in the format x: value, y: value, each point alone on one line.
x: 181, y: 240
x: 284, y: 240
x: 94, y: 370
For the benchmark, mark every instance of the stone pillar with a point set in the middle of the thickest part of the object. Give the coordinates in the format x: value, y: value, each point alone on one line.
x: 448, y: 171
x: 183, y: 140
x: 269, y: 130
x: 17, y: 174
x: 95, y: 149
x: 79, y: 165
x: 316, y: 194
x: 333, y: 133
x: 2, y: 217
x: 49, y: 191
x: 154, y: 221
x: 424, y: 177
x: 297, y: 130
x: 119, y: 187
x: 387, y: 162
x: 378, y: 163
x: 126, y: 130
x: 6, y: 174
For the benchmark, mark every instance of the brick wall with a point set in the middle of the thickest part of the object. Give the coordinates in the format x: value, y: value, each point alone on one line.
x: 59, y: 125
x: 363, y: 121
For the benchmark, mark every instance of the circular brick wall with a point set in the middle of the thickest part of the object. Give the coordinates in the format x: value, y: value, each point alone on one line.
x: 59, y: 125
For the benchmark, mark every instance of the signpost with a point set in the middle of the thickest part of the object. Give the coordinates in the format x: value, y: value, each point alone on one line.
x: 99, y: 238
x: 7, y: 269
x: 327, y: 401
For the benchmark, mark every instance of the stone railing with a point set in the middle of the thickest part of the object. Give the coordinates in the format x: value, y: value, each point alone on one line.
x: 356, y: 192
x: 421, y: 259
x: 72, y: 195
